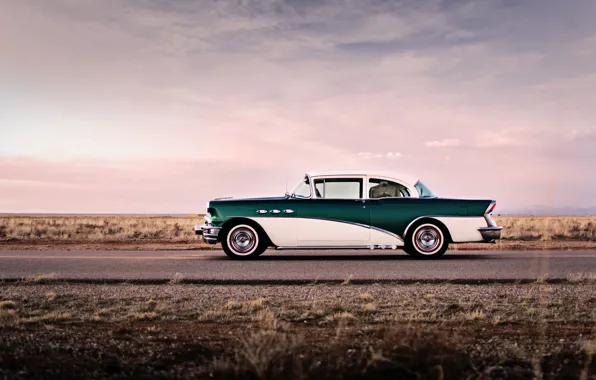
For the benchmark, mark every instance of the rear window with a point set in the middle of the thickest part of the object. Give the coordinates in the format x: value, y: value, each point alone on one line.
x: 423, y: 190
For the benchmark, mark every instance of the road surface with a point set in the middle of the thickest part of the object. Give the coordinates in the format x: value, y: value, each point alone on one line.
x: 296, y: 265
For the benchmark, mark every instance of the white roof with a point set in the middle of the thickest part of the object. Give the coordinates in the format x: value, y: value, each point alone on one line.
x: 400, y: 177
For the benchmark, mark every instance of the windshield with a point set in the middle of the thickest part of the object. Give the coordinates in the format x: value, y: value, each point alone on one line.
x: 424, y: 191
x: 302, y: 189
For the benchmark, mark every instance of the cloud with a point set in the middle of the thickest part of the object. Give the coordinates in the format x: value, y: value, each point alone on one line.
x: 389, y: 155
x: 446, y: 143
x: 278, y: 87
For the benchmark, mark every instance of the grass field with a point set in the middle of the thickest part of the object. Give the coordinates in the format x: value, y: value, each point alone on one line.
x: 519, y: 232
x: 390, y: 331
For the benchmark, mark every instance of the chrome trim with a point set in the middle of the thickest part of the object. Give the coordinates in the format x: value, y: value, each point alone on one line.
x: 294, y: 196
x: 288, y: 211
x: 262, y: 211
x: 387, y: 232
x: 490, y: 234
x: 488, y: 217
x: 427, y: 239
x: 340, y: 221
x: 490, y: 205
x: 490, y: 221
x: 275, y: 211
x: 325, y: 247
x: 358, y: 247
x: 210, y: 233
x: 242, y: 240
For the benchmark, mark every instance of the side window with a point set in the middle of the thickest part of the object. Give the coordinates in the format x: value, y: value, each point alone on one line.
x: 339, y: 188
x: 380, y: 188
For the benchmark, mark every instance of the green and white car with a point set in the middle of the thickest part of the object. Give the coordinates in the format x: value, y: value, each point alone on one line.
x: 349, y: 210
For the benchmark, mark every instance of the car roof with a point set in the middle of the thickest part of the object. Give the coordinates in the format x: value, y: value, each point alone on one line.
x: 401, y: 177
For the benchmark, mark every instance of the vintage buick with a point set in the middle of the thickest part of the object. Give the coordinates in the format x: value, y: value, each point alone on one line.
x: 349, y: 210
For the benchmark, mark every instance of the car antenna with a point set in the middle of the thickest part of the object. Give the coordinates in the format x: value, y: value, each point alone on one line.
x: 286, y: 183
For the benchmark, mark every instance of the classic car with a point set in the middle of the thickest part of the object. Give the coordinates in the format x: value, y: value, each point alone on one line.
x: 349, y: 210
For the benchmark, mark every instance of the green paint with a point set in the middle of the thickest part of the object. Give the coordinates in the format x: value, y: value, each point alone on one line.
x: 390, y: 214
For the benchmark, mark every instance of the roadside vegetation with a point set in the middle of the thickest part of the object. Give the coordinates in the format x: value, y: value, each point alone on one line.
x: 388, y: 331
x: 171, y: 233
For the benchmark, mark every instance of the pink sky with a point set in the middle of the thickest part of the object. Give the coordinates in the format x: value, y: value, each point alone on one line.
x: 156, y: 107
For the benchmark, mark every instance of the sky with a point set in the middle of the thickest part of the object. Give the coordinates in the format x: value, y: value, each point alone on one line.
x: 157, y: 106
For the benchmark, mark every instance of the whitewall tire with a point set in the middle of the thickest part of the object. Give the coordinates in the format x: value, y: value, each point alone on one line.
x: 242, y: 242
x: 426, y: 241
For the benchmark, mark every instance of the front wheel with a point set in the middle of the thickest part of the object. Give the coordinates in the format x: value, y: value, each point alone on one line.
x: 243, y: 242
x: 426, y: 241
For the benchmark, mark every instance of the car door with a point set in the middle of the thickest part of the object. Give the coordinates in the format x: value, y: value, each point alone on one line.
x: 392, y: 206
x: 337, y: 215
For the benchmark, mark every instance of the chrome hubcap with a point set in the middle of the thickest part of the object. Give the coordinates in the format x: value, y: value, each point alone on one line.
x: 242, y: 240
x: 428, y: 239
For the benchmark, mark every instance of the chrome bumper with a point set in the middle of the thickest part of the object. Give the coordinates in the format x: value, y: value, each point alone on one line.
x: 209, y: 232
x: 490, y: 234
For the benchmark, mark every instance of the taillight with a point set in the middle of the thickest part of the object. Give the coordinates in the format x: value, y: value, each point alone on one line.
x: 491, y: 208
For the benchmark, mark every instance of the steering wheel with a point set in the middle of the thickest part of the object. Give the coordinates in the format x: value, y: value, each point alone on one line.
x: 318, y: 193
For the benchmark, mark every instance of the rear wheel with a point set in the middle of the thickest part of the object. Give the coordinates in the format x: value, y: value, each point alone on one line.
x: 427, y: 241
x: 243, y: 242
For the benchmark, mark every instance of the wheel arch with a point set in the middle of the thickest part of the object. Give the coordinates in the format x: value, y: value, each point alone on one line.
x: 228, y: 224
x: 428, y: 219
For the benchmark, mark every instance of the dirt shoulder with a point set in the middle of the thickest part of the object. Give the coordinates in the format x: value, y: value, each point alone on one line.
x: 290, y: 332
x: 195, y: 244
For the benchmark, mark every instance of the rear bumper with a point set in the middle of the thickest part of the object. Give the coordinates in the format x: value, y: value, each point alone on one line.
x: 490, y: 234
x: 208, y: 232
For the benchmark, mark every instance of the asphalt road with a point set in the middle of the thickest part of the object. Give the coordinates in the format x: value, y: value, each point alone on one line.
x: 296, y: 265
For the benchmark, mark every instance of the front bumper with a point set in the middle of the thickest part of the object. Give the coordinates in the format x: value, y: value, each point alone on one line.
x: 490, y: 234
x: 209, y: 232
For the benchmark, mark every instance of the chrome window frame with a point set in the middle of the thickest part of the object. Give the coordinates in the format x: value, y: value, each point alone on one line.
x: 365, y: 181
x: 413, y: 191
x: 358, y: 177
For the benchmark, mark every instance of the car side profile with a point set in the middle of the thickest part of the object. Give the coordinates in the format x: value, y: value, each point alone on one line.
x: 349, y: 210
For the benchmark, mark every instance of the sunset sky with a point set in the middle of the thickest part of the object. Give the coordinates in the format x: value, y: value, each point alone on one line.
x: 156, y: 106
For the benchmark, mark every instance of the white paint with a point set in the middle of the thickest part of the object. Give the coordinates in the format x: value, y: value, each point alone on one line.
x: 398, y: 177
x: 464, y: 229
x: 327, y: 232
x: 378, y: 237
x: 281, y: 231
x: 298, y: 232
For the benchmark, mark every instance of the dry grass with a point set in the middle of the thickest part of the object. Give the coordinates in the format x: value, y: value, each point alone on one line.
x: 305, y: 332
x: 178, y: 278
x: 499, y: 304
x: 548, y: 227
x: 365, y: 297
x: 40, y: 277
x: 369, y: 307
x: 145, y: 316
x: 180, y: 228
x: 7, y: 305
x: 98, y: 228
